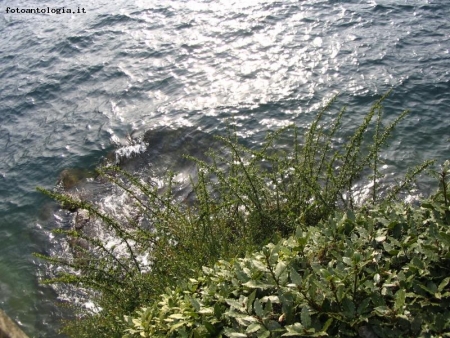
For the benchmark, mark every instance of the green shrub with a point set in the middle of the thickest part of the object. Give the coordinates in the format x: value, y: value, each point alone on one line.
x: 243, y: 198
x: 383, y: 272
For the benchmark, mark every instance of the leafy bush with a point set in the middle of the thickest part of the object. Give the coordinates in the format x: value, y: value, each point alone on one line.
x: 383, y: 272
x: 243, y: 198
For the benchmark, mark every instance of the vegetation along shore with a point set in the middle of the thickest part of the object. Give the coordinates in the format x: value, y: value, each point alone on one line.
x: 271, y: 243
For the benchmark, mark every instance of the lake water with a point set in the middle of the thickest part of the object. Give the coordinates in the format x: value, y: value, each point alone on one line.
x: 75, y: 86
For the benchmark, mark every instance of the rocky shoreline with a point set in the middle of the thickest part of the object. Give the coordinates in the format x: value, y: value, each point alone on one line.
x: 8, y: 328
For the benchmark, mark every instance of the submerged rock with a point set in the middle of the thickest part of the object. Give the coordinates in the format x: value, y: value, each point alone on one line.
x: 69, y: 178
x: 8, y: 328
x: 159, y: 152
x: 81, y: 219
x: 166, y: 149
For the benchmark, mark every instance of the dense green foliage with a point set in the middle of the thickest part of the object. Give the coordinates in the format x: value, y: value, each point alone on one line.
x: 243, y: 199
x: 383, y: 272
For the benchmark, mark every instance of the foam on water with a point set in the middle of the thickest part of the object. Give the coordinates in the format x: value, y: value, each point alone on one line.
x: 114, y: 203
x: 129, y: 151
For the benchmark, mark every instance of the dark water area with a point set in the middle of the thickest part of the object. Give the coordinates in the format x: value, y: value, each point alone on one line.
x: 76, y: 86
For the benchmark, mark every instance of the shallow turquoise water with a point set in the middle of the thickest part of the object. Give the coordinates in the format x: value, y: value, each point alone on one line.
x: 75, y: 86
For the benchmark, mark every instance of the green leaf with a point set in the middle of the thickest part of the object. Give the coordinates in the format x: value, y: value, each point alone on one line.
x: 349, y: 308
x: 176, y: 326
x: 250, y: 300
x: 440, y: 321
x: 241, y: 275
x: 362, y: 307
x: 380, y: 239
x: 327, y: 324
x: 376, y: 278
x: 351, y: 215
x: 207, y: 271
x: 443, y: 284
x: 292, y: 334
x: 326, y: 274
x: 236, y: 304
x: 253, y: 327
x: 243, y: 319
x: 259, y: 265
x: 264, y: 334
x: 218, y: 310
x: 258, y: 308
x: 430, y: 287
x: 195, y: 303
x: 211, y: 329
x: 255, y: 284
x: 295, y: 277
x: 270, y: 298
x: 281, y: 266
x: 417, y: 263
x: 176, y: 316
x: 268, y: 308
x: 273, y: 325
x: 445, y: 238
x: 305, y: 317
x: 206, y: 311
x: 294, y: 330
x: 287, y: 300
x: 235, y: 334
x: 400, y: 297
x: 347, y: 260
x: 340, y: 292
x: 356, y: 257
x: 382, y: 310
